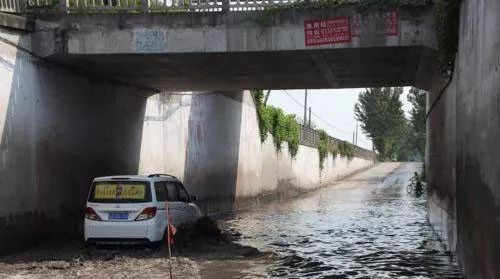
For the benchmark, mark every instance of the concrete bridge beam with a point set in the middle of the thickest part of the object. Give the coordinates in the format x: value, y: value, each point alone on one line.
x: 235, y: 50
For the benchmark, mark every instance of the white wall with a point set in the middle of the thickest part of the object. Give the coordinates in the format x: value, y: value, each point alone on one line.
x: 164, y: 134
x: 280, y: 172
x: 212, y: 142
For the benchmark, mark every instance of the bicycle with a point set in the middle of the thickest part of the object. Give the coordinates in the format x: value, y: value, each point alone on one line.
x: 412, y: 187
x: 409, y: 188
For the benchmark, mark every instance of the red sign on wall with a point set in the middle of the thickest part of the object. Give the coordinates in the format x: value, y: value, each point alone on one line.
x: 391, y: 23
x: 390, y: 27
x: 327, y: 31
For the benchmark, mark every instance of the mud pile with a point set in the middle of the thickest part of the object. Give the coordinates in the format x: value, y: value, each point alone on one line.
x: 205, y: 237
x: 73, y: 260
x: 198, y: 237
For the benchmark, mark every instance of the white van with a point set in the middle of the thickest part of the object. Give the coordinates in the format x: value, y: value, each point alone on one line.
x: 132, y: 208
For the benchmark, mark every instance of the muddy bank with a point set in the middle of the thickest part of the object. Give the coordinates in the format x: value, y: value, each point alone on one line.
x: 200, y: 252
x: 71, y: 260
x: 218, y: 254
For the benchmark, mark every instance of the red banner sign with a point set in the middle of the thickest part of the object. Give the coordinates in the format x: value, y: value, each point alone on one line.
x: 390, y: 27
x: 391, y: 23
x: 327, y: 31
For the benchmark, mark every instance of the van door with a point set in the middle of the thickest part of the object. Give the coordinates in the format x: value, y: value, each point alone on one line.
x: 190, y: 208
x: 160, y: 188
x: 177, y: 209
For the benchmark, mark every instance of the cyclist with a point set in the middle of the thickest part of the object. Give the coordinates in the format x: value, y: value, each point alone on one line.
x: 417, y: 181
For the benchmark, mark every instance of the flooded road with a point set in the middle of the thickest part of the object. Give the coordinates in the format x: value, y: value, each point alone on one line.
x: 367, y: 226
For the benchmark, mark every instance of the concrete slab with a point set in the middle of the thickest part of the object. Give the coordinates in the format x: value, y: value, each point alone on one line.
x: 235, y: 50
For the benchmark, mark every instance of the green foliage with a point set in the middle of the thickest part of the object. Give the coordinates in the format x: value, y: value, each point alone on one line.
x: 264, y: 123
x: 326, y: 146
x: 447, y: 22
x: 346, y: 149
x: 286, y: 128
x: 283, y: 127
x: 417, y: 98
x: 403, y: 147
x: 382, y: 118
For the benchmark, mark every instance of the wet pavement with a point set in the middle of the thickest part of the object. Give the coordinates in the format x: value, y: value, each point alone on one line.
x: 367, y: 226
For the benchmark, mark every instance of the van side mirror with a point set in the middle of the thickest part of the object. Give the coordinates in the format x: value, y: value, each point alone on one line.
x: 194, y: 198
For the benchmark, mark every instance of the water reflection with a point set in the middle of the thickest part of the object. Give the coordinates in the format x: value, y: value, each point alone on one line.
x: 366, y: 227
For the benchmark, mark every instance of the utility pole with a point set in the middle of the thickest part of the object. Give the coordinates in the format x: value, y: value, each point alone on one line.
x: 309, y: 117
x: 353, y: 137
x: 356, y: 133
x: 267, y: 97
x: 305, y: 109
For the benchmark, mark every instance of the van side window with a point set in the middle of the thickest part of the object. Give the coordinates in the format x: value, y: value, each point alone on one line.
x: 183, y: 195
x: 172, y: 191
x: 161, y: 191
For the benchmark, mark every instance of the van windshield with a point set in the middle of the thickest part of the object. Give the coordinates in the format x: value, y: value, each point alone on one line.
x: 120, y: 192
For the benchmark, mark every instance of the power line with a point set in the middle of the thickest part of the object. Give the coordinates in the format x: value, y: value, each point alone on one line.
x: 324, y: 121
x: 317, y: 116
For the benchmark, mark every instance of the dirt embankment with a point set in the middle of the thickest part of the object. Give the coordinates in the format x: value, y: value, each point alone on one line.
x: 72, y: 260
x: 202, y: 251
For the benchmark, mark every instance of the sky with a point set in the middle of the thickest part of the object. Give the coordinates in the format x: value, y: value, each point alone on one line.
x: 332, y: 110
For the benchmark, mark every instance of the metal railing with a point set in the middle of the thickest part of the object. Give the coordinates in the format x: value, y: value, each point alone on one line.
x: 137, y: 6
x: 12, y: 6
x: 310, y: 137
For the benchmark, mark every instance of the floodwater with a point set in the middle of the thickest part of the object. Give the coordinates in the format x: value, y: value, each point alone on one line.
x: 366, y: 226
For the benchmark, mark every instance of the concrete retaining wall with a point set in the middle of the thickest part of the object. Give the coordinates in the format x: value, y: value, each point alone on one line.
x: 463, y: 135
x: 211, y: 141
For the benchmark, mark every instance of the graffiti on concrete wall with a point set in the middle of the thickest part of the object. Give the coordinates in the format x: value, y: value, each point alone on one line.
x: 389, y: 26
x: 149, y: 41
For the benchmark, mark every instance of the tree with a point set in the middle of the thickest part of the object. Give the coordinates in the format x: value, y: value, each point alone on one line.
x: 417, y: 98
x: 381, y: 114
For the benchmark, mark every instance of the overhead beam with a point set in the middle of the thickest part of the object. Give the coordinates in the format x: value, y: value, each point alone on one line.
x: 16, y: 22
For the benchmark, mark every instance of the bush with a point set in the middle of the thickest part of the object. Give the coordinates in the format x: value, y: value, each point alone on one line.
x: 283, y: 127
x: 447, y: 21
x: 346, y: 149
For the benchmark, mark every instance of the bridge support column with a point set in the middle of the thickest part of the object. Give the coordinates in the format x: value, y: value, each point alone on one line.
x: 210, y: 140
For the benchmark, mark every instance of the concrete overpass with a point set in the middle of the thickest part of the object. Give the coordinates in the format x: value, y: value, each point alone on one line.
x: 249, y: 49
x: 74, y: 83
x: 74, y: 86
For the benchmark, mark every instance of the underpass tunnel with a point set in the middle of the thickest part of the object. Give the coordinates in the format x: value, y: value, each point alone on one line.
x: 70, y: 117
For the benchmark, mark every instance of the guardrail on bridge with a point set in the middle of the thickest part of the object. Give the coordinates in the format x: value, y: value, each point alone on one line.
x: 13, y: 6
x: 137, y: 6
x: 310, y: 137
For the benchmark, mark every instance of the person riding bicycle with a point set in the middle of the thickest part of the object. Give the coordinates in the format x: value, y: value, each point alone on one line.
x: 417, y: 181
